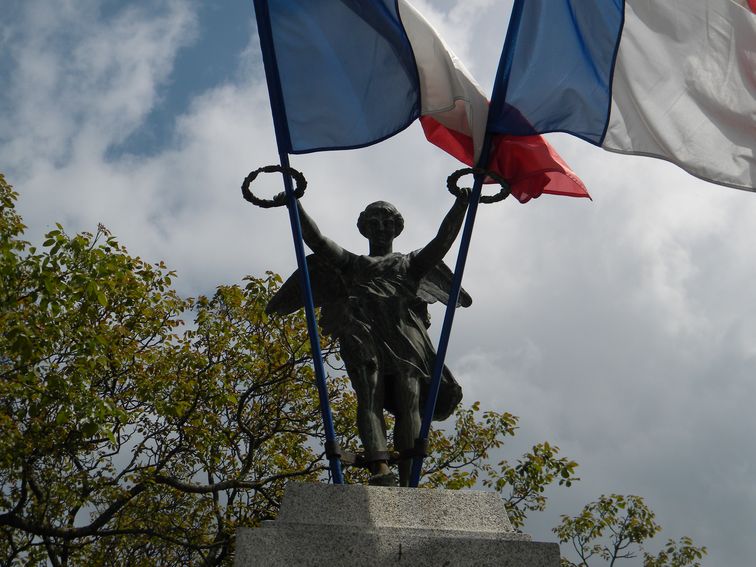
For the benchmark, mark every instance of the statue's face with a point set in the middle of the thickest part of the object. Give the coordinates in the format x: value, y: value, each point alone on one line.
x: 380, y: 227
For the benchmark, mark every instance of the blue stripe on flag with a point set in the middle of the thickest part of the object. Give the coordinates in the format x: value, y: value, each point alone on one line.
x: 557, y: 70
x: 348, y: 75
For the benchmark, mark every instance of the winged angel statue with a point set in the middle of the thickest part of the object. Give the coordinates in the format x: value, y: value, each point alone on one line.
x: 376, y: 306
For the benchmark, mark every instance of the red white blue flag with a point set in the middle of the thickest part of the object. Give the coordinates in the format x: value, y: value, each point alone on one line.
x: 355, y: 72
x: 672, y: 79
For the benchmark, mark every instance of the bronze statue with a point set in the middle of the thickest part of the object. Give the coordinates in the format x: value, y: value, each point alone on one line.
x: 376, y: 306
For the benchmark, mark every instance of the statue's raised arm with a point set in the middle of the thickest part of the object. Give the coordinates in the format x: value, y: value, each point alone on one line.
x: 431, y: 255
x: 325, y: 248
x: 326, y: 268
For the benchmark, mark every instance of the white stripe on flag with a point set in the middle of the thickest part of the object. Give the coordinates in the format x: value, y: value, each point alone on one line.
x: 447, y: 90
x: 684, y: 87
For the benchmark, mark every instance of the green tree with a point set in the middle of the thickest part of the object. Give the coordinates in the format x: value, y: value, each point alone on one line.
x: 131, y: 437
x: 615, y: 527
x: 118, y: 421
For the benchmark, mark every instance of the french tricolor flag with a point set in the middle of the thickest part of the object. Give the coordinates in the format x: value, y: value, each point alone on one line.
x: 354, y: 72
x: 672, y: 79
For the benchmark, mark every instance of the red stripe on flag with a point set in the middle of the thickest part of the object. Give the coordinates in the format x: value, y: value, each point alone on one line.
x: 752, y: 4
x: 528, y: 163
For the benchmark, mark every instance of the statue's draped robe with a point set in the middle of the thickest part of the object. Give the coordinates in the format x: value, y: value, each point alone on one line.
x: 377, y: 309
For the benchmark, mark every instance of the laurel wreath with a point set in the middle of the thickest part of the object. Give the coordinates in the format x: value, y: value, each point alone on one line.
x: 280, y: 199
x: 453, y: 179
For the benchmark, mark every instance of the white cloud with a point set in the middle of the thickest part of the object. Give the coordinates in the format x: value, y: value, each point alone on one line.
x: 81, y: 83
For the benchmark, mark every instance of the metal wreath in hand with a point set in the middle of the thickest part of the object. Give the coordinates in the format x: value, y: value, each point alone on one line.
x: 280, y: 199
x: 451, y: 184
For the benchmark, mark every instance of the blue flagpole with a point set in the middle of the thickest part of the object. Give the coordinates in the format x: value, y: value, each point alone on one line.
x: 443, y: 342
x: 284, y: 144
x: 499, y: 93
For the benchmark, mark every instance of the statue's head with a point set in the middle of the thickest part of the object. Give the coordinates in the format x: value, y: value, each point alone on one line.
x: 380, y: 217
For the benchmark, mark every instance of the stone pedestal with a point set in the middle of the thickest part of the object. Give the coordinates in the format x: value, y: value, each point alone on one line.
x: 352, y: 525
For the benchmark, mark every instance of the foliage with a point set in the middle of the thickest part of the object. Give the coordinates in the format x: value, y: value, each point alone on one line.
x: 118, y: 420
x: 681, y: 553
x: 461, y: 461
x: 614, y: 527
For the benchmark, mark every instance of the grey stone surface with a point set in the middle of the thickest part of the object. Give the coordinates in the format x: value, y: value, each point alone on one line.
x: 367, y: 525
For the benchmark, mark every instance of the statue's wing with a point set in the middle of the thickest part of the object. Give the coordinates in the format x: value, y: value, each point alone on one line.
x: 327, y: 288
x: 436, y: 285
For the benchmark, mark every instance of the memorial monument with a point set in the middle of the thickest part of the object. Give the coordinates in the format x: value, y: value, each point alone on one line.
x: 355, y: 78
x: 376, y: 306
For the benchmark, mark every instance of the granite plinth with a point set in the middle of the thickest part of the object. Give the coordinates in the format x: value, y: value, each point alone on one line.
x: 352, y: 525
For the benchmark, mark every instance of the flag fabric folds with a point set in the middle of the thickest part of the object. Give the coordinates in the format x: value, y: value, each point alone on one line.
x: 355, y: 72
x: 673, y: 79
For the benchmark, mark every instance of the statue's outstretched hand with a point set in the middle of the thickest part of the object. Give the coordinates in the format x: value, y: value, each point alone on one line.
x: 463, y: 196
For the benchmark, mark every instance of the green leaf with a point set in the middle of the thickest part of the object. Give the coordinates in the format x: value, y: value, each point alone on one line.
x: 90, y: 428
x: 101, y: 299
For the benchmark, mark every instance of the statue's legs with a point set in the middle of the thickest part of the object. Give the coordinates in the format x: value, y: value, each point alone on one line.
x: 371, y: 425
x: 370, y: 390
x: 405, y: 391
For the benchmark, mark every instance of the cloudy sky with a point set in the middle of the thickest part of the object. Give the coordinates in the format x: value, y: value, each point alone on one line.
x: 622, y: 329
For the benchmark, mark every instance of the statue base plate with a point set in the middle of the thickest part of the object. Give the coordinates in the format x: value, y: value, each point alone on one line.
x: 349, y: 525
